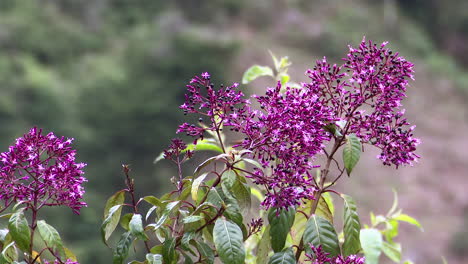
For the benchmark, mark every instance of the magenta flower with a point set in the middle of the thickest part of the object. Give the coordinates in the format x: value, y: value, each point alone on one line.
x: 320, y: 257
x: 40, y: 170
x: 365, y: 94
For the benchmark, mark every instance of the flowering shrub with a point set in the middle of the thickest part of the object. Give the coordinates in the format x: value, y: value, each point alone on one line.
x: 274, y: 160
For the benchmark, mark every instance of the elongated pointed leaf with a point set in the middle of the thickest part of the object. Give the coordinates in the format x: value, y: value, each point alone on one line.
x: 284, y: 257
x: 136, y: 227
x: 169, y: 255
x: 256, y: 71
x: 112, y: 218
x: 264, y: 246
x: 165, y: 214
x: 121, y: 250
x: 351, y: 228
x: 206, y: 251
x: 196, y: 185
x: 49, y: 235
x: 392, y: 251
x: 19, y: 230
x: 321, y: 232
x: 110, y: 223
x: 9, y: 253
x: 408, y: 219
x: 280, y: 224
x: 371, y: 243
x: 351, y: 152
x: 228, y: 240
x: 323, y: 210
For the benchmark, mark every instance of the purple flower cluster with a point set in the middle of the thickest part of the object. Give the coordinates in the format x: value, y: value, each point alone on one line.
x: 365, y: 94
x: 216, y: 106
x: 321, y: 257
x: 40, y: 170
x: 285, y: 136
x: 176, y: 148
x: 362, y: 97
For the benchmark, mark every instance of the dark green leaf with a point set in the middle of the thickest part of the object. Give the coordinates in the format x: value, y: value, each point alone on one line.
x: 121, y: 250
x: 206, y: 252
x: 169, y: 255
x: 228, y: 240
x: 280, y: 224
x: 256, y: 71
x: 19, y: 230
x: 136, y: 227
x: 351, y: 152
x: 321, y: 232
x: 351, y: 228
x: 284, y: 257
x: 371, y: 243
x: 9, y: 254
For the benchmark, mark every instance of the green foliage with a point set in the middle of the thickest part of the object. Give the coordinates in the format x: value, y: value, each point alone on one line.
x: 320, y: 232
x: 229, y: 242
x: 283, y: 257
x: 371, y: 242
x: 19, y: 230
x: 280, y: 224
x: 351, y: 152
x: 352, y: 227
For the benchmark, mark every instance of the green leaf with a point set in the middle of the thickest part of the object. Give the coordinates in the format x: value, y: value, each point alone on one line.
x: 49, y: 235
x: 264, y: 246
x: 284, y: 257
x: 408, y: 219
x: 19, y: 230
x: 196, y: 185
x: 9, y: 254
x: 371, y: 243
x: 284, y: 78
x: 125, y: 221
x: 192, y: 219
x: 329, y: 200
x: 256, y: 71
x: 391, y: 230
x: 206, y: 251
x: 323, y: 210
x: 228, y: 240
x: 121, y: 250
x: 136, y: 227
x: 165, y: 214
x: 280, y: 224
x: 110, y: 223
x: 153, y: 201
x: 351, y: 152
x: 321, y: 232
x: 154, y: 258
x: 393, y: 252
x: 204, y: 145
x: 112, y: 218
x: 169, y: 255
x: 351, y: 228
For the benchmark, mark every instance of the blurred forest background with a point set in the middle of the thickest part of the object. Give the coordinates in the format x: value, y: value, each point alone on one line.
x: 112, y: 73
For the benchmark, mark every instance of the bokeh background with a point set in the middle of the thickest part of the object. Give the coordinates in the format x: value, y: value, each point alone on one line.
x: 111, y: 74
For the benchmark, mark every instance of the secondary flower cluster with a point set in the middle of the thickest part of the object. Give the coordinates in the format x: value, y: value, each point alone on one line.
x: 362, y: 97
x: 365, y: 93
x: 321, y: 257
x: 215, y: 105
x: 40, y: 170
